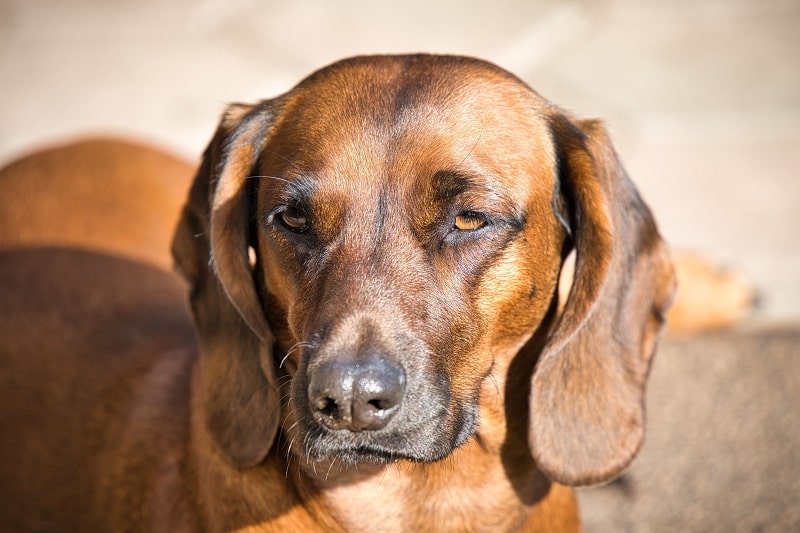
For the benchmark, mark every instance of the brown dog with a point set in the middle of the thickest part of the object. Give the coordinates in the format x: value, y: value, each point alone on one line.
x: 110, y: 195
x: 373, y: 260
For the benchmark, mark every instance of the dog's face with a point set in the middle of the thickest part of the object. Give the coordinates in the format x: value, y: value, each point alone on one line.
x: 407, y: 239
x: 407, y: 217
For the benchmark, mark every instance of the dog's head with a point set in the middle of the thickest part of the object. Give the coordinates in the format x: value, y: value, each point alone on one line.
x: 390, y: 233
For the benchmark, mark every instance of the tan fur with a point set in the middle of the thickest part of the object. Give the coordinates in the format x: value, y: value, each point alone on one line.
x: 505, y: 402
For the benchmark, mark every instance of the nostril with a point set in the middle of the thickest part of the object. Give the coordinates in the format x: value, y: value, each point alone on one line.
x: 327, y: 407
x: 380, y: 405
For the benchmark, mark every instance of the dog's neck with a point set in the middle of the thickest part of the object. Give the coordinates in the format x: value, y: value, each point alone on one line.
x: 469, y: 491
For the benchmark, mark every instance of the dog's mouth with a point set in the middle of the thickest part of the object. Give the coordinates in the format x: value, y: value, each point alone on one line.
x: 428, y: 441
x: 360, y: 455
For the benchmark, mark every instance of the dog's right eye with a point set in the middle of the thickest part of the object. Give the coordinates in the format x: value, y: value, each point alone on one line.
x: 469, y: 221
x: 294, y: 219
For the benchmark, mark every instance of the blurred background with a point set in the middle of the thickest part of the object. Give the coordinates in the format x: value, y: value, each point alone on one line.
x: 702, y: 97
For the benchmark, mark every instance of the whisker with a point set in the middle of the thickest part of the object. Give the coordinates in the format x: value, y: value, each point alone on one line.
x: 495, y: 382
x: 285, y: 357
x: 286, y: 397
x: 472, y: 149
x: 268, y: 177
x: 383, y: 476
x: 328, y: 473
x: 301, y: 344
x: 285, y: 159
x: 283, y: 424
x: 283, y: 381
x: 288, y: 458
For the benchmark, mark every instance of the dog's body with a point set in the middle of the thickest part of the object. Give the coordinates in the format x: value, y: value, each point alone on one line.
x: 108, y: 195
x: 373, y: 261
x: 96, y: 358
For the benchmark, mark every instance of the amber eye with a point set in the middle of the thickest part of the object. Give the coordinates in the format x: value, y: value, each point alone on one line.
x: 469, y: 221
x: 294, y: 219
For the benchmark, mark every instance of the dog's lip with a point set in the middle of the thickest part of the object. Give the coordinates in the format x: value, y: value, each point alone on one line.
x: 360, y: 454
x: 361, y: 448
x: 375, y: 453
x: 365, y: 454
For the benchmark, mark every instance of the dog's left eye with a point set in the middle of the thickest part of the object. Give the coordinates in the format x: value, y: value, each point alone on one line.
x: 469, y: 221
x: 294, y: 219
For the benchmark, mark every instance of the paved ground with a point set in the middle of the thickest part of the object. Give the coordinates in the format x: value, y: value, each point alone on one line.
x: 721, y: 450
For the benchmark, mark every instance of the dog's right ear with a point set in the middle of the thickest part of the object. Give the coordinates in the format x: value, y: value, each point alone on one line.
x: 586, y: 406
x: 237, y: 388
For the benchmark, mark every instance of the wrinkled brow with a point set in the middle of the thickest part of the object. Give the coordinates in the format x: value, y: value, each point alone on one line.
x: 292, y: 191
x: 477, y: 191
x: 448, y: 185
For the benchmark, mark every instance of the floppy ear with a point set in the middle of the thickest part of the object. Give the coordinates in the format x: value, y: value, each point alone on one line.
x: 237, y: 390
x: 587, y: 392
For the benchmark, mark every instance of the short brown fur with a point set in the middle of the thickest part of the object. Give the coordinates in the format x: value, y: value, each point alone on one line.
x: 102, y: 194
x: 505, y: 402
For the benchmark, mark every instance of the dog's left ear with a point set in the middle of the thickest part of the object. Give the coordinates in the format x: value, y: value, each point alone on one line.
x: 236, y: 387
x: 587, y: 392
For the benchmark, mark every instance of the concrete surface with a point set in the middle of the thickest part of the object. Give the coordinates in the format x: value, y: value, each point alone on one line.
x: 721, y: 451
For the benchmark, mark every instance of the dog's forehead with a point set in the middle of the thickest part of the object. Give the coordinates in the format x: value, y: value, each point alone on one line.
x: 406, y: 116
x: 391, y: 92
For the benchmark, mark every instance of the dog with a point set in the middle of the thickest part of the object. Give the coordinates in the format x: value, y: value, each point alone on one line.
x: 372, y: 262
x: 116, y: 196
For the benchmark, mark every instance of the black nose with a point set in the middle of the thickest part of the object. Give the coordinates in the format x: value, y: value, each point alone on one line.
x: 356, y: 395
